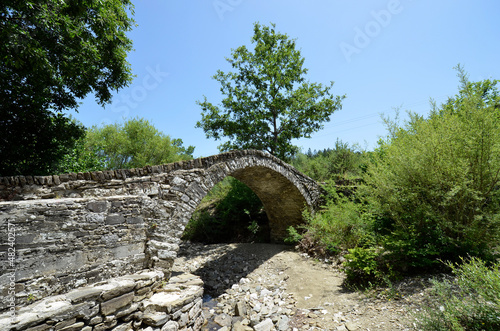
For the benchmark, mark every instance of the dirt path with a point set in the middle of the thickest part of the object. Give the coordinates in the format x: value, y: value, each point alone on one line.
x: 293, y: 291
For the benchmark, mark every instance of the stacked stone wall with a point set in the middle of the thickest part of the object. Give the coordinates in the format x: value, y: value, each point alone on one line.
x: 66, y: 243
x: 132, y: 302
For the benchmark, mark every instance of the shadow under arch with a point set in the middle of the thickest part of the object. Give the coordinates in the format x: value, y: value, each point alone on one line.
x: 231, y: 212
x: 282, y: 200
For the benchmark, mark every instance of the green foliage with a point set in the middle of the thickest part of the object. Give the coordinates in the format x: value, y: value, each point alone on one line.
x: 254, y: 226
x: 430, y: 192
x: 471, y: 301
x: 343, y: 223
x: 230, y: 212
x: 472, y: 94
x: 33, y: 142
x: 135, y: 143
x: 56, y: 52
x: 53, y: 54
x: 294, y: 237
x: 362, y: 266
x: 435, y: 182
x: 341, y: 162
x: 268, y: 101
x: 81, y: 159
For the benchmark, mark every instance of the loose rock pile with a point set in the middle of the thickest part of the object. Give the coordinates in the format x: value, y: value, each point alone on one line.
x: 140, y: 301
x: 245, y: 300
x: 268, y: 287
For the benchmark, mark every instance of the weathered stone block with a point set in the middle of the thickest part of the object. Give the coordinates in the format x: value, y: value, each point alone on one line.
x: 127, y: 310
x: 116, y: 288
x: 42, y: 327
x: 155, y: 318
x: 115, y: 219
x: 111, y: 306
x: 86, y: 310
x: 135, y: 220
x: 73, y: 327
x: 142, y: 291
x: 240, y: 309
x: 97, y: 206
x: 105, y: 326
x: 123, y: 327
x: 196, y: 309
x: 170, y: 326
x: 63, y: 324
x: 265, y: 325
x: 183, y: 320
x: 84, y: 294
x: 96, y: 320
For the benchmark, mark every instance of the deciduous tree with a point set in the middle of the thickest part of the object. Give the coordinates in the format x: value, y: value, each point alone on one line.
x: 53, y: 54
x: 268, y: 101
x: 135, y: 143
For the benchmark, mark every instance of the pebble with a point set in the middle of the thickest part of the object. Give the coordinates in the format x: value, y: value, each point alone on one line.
x: 249, y: 292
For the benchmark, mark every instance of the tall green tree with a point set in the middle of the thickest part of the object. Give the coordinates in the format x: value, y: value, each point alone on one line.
x: 53, y: 54
x: 268, y: 101
x: 135, y: 143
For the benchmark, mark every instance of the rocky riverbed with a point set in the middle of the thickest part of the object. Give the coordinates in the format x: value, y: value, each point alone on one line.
x: 272, y: 287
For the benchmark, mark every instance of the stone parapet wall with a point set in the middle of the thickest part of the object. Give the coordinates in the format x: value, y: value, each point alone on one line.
x: 73, y: 184
x: 132, y: 302
x: 283, y: 190
x: 61, y: 244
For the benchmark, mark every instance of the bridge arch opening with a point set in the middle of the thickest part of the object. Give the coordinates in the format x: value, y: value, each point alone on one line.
x: 230, y: 212
x: 268, y: 197
x: 282, y: 200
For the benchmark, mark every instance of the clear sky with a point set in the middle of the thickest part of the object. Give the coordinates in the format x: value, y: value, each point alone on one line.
x: 381, y: 54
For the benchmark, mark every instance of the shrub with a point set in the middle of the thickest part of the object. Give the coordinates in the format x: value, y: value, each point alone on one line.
x: 340, y: 225
x: 294, y: 237
x: 470, y: 302
x: 435, y: 183
x: 361, y: 265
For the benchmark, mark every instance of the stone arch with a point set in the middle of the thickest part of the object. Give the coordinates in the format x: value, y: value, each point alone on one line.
x: 283, y: 190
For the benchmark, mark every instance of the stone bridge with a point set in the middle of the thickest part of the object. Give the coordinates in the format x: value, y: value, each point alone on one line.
x: 73, y: 230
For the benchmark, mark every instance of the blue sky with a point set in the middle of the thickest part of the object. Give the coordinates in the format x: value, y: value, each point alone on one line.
x: 381, y: 54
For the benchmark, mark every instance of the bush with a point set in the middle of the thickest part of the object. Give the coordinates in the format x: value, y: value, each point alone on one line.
x: 342, y: 224
x: 361, y: 265
x: 435, y: 183
x: 470, y: 302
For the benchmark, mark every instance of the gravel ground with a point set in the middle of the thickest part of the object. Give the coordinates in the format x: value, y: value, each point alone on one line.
x: 273, y: 287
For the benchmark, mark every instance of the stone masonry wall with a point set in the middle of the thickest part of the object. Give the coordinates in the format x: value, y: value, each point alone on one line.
x: 131, y: 302
x: 65, y: 243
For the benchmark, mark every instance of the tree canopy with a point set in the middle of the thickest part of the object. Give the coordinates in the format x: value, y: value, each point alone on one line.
x: 135, y: 143
x: 53, y: 54
x: 484, y: 93
x: 268, y: 101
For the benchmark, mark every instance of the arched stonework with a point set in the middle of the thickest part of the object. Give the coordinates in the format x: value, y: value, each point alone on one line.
x: 86, y: 227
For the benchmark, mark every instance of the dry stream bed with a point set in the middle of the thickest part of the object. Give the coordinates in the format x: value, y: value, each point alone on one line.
x: 272, y: 287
